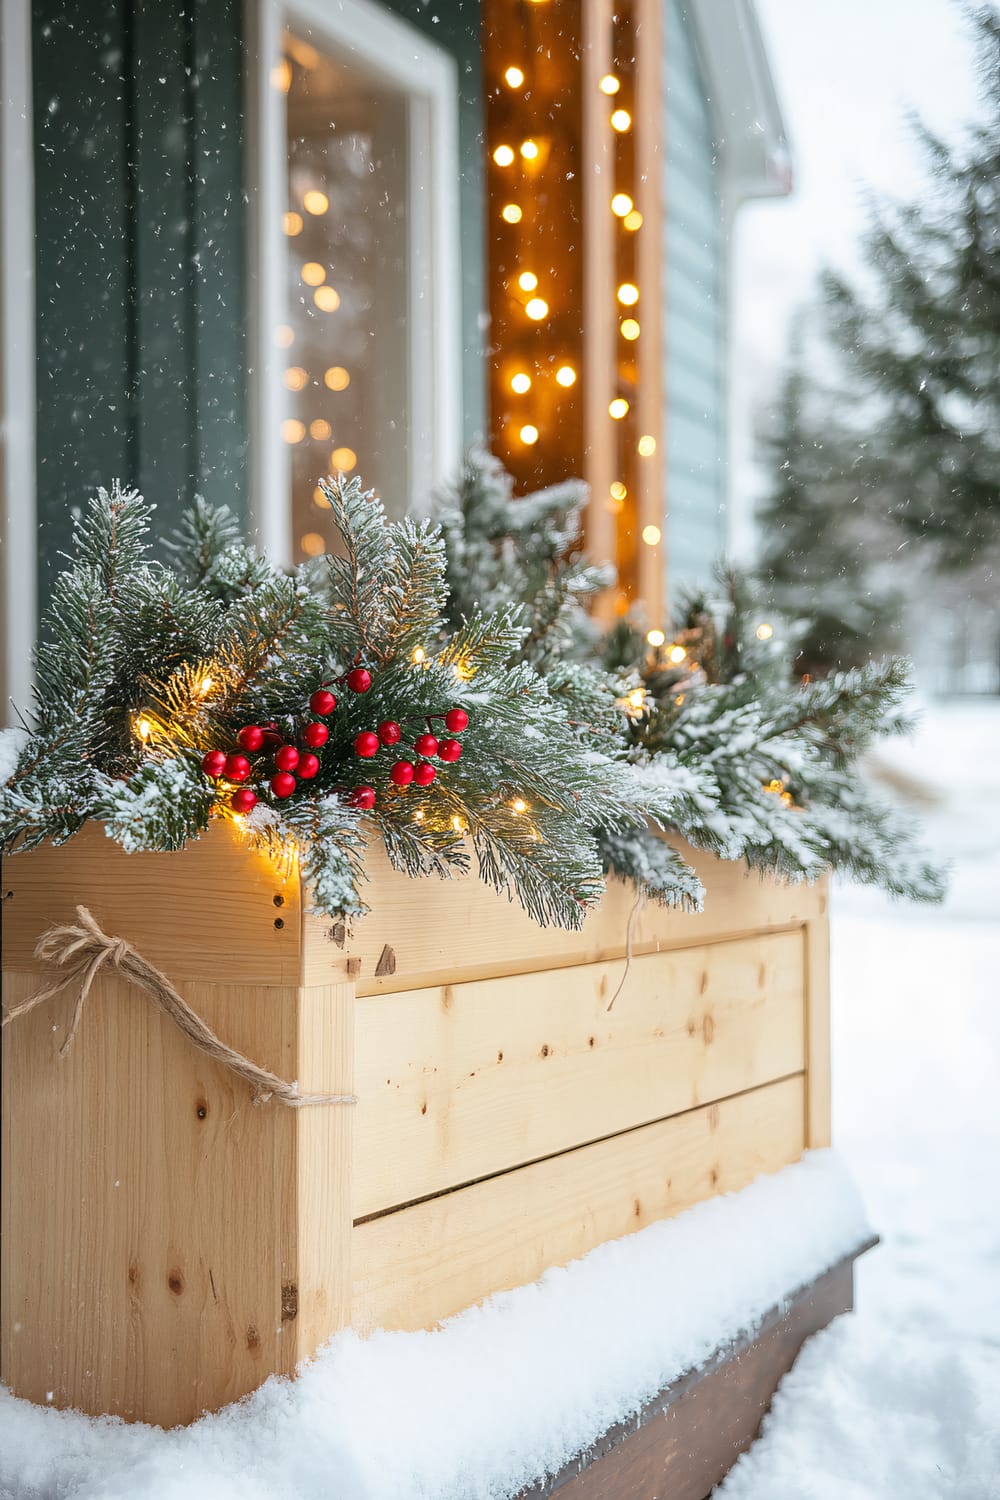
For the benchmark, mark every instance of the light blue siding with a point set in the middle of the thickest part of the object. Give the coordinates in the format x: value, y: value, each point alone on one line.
x: 693, y: 288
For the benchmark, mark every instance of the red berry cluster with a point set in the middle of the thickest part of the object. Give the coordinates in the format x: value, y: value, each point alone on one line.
x: 403, y: 773
x: 291, y: 763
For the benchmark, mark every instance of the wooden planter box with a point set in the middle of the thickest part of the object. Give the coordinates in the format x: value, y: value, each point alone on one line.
x: 167, y: 1244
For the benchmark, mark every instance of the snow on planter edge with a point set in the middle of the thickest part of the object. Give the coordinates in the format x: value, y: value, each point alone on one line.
x: 498, y: 1396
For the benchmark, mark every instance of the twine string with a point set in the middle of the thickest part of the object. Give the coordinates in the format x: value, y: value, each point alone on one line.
x: 637, y: 906
x: 83, y: 949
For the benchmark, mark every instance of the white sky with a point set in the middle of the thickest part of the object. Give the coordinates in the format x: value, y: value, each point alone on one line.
x: 847, y: 73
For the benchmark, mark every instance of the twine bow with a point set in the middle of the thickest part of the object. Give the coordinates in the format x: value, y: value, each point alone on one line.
x: 84, y: 949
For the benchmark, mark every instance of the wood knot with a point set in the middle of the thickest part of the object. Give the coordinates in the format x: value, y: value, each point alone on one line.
x: 546, y: 1050
x: 289, y: 1301
x: 591, y: 1041
x: 714, y: 1176
x: 386, y: 963
x: 499, y: 1057
x: 201, y: 1109
x: 637, y: 1208
x: 253, y: 1340
x: 175, y: 1281
x: 708, y: 1029
x: 703, y: 986
x: 337, y: 934
x: 133, y: 1273
x: 423, y: 1107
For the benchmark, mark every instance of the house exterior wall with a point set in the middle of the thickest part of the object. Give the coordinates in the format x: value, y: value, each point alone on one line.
x: 695, y: 354
x: 140, y: 232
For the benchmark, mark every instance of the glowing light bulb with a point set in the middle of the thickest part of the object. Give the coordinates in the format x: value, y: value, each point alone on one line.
x: 519, y: 805
x: 765, y: 632
x: 528, y: 434
x: 336, y: 378
x: 633, y: 220
x: 655, y: 637
x: 419, y: 655
x: 296, y: 378
x: 617, y: 490
x: 536, y: 308
x: 621, y: 204
x: 293, y: 431
x: 312, y: 544
x: 281, y: 76
x: 646, y: 445
x: 315, y: 202
x: 313, y: 274
x: 343, y: 459
x: 326, y: 298
x: 320, y: 430
x: 637, y: 698
x: 630, y: 329
x: 205, y: 687
x: 618, y: 408
x: 529, y: 150
x: 418, y: 816
x: 521, y: 382
x: 284, y: 337
x: 503, y: 156
x: 621, y: 120
x: 513, y: 78
x: 145, y: 729
x: 609, y: 84
x: 676, y: 654
x: 628, y: 294
x: 457, y: 824
x: 566, y: 376
x: 511, y: 213
x: 651, y: 535
x: 292, y: 223
x: 527, y: 281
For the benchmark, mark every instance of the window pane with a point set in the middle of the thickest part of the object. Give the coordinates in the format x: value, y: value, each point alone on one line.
x: 345, y: 343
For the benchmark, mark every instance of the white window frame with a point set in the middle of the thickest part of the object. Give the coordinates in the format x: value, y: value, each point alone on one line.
x: 397, y: 53
x: 18, y: 523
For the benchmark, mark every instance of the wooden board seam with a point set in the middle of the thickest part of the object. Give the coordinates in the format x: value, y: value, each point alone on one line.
x: 614, y: 1135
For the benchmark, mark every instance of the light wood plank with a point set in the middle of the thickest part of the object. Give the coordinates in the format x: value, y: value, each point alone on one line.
x: 207, y: 912
x: 817, y: 986
x: 463, y: 930
x: 167, y: 1244
x: 464, y: 1081
x: 417, y: 1266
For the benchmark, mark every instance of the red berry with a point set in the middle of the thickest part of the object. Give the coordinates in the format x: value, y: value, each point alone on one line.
x: 243, y: 800
x: 308, y: 765
x: 424, y: 774
x: 315, y: 735
x: 366, y: 744
x: 359, y: 680
x: 449, y: 750
x: 456, y: 719
x: 426, y: 744
x: 401, y: 773
x: 214, y: 763
x: 389, y: 732
x: 363, y: 797
x: 237, y: 767
x: 282, y: 784
x: 251, y: 738
x: 287, y: 758
x: 322, y: 702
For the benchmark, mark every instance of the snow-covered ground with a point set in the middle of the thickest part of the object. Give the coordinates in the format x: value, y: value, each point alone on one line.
x: 901, y: 1401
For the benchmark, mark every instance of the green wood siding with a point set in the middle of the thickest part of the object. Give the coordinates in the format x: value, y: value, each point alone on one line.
x: 695, y: 390
x: 140, y: 255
